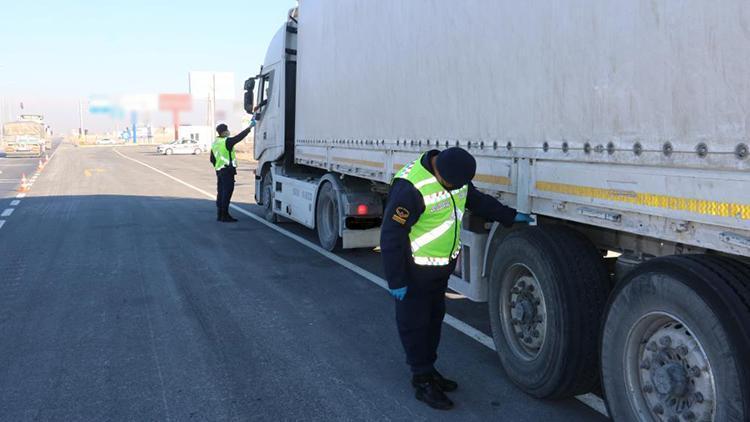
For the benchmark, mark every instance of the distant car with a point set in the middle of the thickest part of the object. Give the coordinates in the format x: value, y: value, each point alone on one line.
x: 106, y: 141
x: 184, y: 146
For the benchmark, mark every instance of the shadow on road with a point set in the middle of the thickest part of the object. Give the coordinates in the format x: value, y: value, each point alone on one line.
x: 145, y: 308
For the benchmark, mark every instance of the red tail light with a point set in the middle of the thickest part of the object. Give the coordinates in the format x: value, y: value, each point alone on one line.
x: 362, y: 209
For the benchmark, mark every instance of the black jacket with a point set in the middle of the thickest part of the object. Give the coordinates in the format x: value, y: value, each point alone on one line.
x: 403, y: 208
x: 231, y: 142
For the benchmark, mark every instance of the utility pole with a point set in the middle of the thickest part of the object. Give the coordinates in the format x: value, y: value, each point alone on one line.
x: 212, y: 104
x: 2, y: 109
x: 80, y: 120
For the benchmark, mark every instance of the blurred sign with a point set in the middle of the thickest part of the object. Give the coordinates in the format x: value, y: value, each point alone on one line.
x: 32, y: 118
x: 175, y: 102
x: 140, y: 102
x: 100, y: 105
x: 203, y: 84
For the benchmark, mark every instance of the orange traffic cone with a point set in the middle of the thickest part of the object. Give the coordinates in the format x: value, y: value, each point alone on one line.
x: 40, y: 166
x: 24, y: 184
x: 46, y: 158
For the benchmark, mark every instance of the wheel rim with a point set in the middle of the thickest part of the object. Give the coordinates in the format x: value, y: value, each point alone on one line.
x: 523, y: 311
x: 668, y: 372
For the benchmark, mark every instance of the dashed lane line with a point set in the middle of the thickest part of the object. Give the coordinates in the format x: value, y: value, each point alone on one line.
x: 591, y: 400
x: 7, y: 212
x: 14, y: 202
x: 2, y: 223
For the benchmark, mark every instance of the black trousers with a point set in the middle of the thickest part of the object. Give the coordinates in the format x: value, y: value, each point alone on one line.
x: 419, y: 318
x: 224, y: 188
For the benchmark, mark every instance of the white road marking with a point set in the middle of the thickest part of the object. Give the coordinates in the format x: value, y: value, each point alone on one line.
x: 14, y: 202
x: 2, y: 223
x: 21, y: 196
x: 589, y: 399
x: 7, y: 212
x: 53, y: 153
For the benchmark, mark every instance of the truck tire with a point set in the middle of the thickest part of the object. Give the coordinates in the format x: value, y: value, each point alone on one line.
x: 676, y: 341
x: 547, y: 293
x: 168, y: 151
x: 267, y: 195
x: 327, y: 218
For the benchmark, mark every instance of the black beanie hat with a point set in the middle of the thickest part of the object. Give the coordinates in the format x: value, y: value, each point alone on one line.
x: 456, y: 166
x: 221, y: 128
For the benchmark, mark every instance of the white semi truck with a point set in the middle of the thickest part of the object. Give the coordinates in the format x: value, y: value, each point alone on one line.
x: 623, y: 125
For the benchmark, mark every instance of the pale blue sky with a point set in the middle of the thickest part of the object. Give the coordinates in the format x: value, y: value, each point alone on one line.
x: 53, y: 52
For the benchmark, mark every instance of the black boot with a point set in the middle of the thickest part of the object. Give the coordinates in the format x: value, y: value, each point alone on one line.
x: 428, y: 391
x: 228, y: 217
x: 218, y: 214
x: 444, y: 383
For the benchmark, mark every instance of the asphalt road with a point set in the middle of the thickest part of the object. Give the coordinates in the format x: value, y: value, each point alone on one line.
x: 123, y: 299
x: 12, y: 169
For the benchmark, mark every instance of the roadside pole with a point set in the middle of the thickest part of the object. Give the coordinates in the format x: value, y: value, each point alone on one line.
x: 134, y: 124
x: 80, y: 121
x: 212, y: 103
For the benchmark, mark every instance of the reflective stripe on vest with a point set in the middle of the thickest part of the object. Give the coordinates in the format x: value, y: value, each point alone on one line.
x: 222, y: 155
x: 436, y: 236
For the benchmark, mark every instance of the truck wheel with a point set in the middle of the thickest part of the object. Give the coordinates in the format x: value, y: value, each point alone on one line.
x: 197, y: 151
x: 168, y: 151
x: 548, y: 289
x: 676, y: 341
x: 267, y: 193
x: 327, y: 218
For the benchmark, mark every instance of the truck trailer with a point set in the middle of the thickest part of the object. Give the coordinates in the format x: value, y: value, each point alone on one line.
x: 25, y: 138
x: 623, y: 126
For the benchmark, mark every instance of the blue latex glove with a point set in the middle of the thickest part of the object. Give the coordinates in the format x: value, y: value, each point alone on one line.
x: 252, y: 122
x: 398, y: 293
x: 523, y: 218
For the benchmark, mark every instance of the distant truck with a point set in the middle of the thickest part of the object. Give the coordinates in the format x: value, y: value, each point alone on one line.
x: 25, y: 139
x: 38, y: 118
x: 623, y: 125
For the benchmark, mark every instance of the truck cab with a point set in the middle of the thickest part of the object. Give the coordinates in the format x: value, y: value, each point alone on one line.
x: 274, y: 98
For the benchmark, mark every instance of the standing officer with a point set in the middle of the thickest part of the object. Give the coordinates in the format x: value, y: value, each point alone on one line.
x: 224, y: 160
x: 420, y: 241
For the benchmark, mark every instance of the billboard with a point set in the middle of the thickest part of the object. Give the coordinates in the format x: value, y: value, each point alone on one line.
x: 202, y: 83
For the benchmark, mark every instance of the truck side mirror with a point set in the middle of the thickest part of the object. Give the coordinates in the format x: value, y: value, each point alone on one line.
x: 249, y: 95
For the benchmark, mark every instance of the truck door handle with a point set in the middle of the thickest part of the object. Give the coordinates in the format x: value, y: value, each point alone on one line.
x: 264, y: 135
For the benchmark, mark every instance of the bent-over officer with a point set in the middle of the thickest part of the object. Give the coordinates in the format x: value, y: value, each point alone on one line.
x: 420, y: 241
x: 224, y: 159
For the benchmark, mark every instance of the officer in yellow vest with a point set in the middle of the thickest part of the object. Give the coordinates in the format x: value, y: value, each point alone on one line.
x: 224, y: 159
x: 420, y: 242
